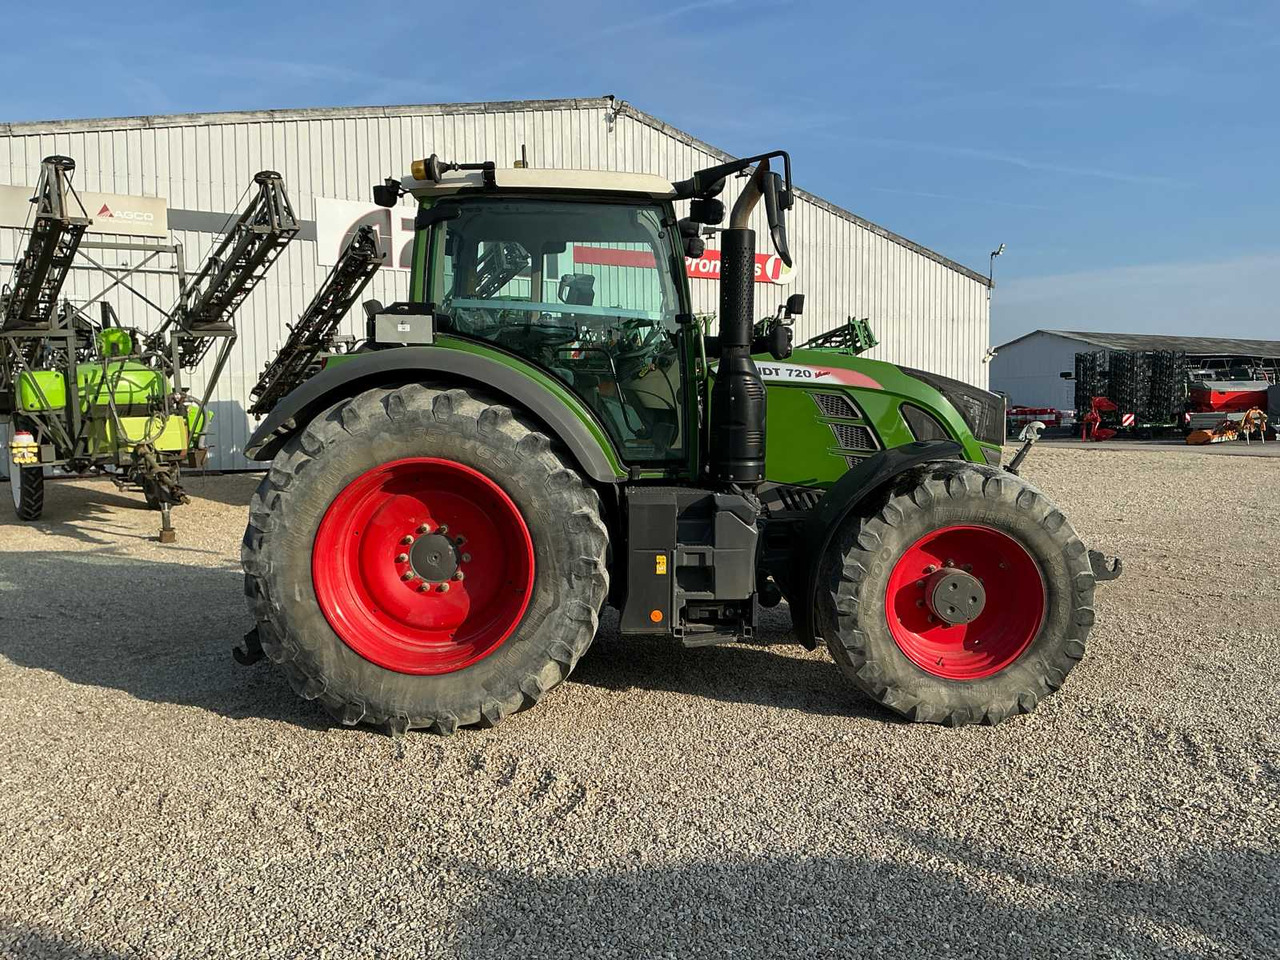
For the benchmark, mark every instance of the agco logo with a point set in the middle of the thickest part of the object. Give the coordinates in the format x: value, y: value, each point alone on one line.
x: 137, y: 216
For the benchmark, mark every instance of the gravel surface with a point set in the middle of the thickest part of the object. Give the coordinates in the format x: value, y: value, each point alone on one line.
x: 157, y: 799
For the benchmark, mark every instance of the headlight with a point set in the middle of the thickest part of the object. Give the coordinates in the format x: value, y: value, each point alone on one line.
x: 982, y: 410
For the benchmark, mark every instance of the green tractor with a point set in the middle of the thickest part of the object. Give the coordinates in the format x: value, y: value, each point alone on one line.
x: 545, y: 427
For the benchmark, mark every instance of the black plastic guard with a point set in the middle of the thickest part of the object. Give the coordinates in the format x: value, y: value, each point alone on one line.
x: 401, y: 365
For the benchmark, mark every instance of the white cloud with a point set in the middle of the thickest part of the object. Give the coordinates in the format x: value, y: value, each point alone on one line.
x: 1227, y: 298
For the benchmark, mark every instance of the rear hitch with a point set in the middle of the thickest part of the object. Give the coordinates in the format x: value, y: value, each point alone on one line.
x: 1104, y: 567
x: 251, y: 651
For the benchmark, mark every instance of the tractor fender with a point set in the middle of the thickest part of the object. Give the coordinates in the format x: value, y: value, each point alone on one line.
x: 409, y: 364
x: 838, y: 503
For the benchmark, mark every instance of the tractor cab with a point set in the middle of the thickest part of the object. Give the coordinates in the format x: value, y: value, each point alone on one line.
x: 581, y: 274
x: 586, y: 290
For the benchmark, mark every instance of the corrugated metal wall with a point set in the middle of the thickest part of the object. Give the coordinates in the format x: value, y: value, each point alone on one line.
x: 1029, y: 370
x: 927, y: 312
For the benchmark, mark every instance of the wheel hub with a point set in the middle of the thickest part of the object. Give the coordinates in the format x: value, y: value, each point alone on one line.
x: 423, y: 565
x: 434, y: 558
x: 936, y: 601
x: 955, y: 596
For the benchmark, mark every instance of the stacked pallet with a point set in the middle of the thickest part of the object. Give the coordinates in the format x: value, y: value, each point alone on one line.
x: 1168, y: 386
x: 1149, y: 384
x: 1091, y: 379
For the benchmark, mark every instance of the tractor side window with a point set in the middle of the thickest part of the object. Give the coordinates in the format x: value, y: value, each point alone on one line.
x: 583, y: 290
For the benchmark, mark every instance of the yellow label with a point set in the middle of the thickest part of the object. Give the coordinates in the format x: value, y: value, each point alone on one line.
x: 660, y: 564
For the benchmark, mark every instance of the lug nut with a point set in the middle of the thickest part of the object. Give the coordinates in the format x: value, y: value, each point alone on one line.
x: 443, y: 588
x: 402, y: 558
x: 444, y: 528
x: 459, y: 575
x: 920, y: 583
x: 406, y: 577
x: 460, y: 541
x: 424, y: 528
x: 406, y: 539
x: 466, y: 558
x: 967, y: 568
x: 424, y: 587
x: 930, y: 568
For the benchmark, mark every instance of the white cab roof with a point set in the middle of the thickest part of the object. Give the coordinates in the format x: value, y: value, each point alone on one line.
x: 519, y: 179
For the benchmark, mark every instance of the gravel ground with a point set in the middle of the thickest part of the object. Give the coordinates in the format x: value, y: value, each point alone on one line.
x: 159, y: 800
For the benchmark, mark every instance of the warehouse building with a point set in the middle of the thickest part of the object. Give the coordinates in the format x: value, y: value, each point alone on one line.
x: 1029, y: 369
x: 928, y: 311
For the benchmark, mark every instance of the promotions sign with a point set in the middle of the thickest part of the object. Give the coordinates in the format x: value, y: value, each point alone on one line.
x: 769, y: 267
x: 338, y: 220
x: 113, y: 213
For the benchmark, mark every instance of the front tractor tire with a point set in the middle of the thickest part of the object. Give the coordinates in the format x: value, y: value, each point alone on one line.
x: 424, y: 558
x: 962, y: 596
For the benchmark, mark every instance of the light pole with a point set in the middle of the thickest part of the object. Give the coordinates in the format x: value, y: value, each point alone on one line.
x: 991, y: 264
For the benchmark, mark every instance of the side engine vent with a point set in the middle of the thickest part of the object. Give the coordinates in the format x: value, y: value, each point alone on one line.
x: 797, y: 499
x: 836, y: 405
x: 852, y: 437
x: 923, y: 425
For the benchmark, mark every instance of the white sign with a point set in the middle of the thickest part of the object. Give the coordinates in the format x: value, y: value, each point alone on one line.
x: 112, y: 213
x: 808, y: 373
x: 338, y: 220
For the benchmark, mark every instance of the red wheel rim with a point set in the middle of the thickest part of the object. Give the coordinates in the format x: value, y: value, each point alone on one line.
x: 1010, y: 619
x: 423, y: 566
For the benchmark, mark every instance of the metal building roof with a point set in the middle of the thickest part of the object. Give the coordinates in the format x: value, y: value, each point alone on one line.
x: 620, y: 107
x: 1196, y: 346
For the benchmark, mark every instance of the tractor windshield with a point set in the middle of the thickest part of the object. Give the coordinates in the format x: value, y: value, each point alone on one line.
x: 587, y: 291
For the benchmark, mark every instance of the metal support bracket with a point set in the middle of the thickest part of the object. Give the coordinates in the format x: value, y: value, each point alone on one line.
x: 1105, y: 568
x: 250, y: 651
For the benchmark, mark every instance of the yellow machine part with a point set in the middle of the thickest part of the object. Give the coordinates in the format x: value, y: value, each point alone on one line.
x: 23, y: 449
x: 166, y: 435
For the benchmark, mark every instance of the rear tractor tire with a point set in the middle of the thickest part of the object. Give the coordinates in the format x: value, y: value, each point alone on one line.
x: 962, y: 596
x: 424, y: 558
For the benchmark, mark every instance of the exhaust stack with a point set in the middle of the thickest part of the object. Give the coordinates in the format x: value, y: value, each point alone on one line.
x: 738, y: 397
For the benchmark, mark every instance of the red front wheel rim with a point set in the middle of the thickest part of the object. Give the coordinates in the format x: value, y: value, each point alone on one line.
x: 423, y: 566
x: 1010, y: 619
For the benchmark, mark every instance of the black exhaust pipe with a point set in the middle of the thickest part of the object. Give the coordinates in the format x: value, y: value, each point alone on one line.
x: 738, y: 397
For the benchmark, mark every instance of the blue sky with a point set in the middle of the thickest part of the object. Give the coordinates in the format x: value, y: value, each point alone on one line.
x: 1125, y: 151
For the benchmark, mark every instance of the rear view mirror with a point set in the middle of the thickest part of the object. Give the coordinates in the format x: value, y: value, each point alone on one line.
x: 706, y: 210
x: 776, y: 200
x: 780, y: 342
x: 795, y: 305
x: 387, y: 193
